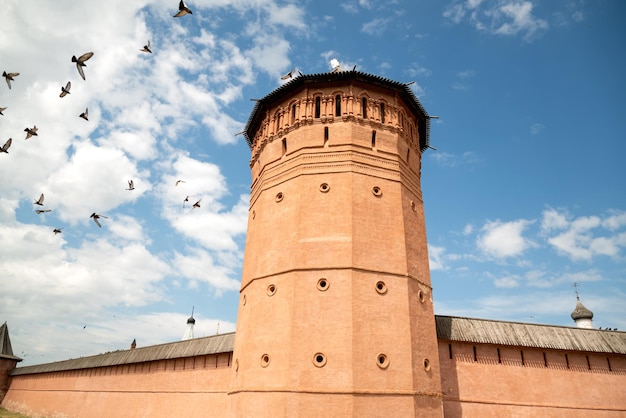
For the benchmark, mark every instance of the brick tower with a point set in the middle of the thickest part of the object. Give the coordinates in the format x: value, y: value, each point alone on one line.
x: 335, y: 311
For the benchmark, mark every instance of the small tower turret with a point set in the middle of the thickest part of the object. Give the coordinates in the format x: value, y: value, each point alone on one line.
x: 190, y: 323
x: 581, y: 315
x: 7, y: 360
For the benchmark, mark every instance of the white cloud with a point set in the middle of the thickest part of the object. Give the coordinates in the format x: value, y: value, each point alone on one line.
x: 435, y: 257
x: 504, y: 239
x: 536, y: 128
x: 377, y: 26
x: 587, y: 236
x: 500, y: 17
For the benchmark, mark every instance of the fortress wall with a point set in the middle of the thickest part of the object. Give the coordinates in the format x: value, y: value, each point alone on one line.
x: 192, y: 386
x: 522, y: 382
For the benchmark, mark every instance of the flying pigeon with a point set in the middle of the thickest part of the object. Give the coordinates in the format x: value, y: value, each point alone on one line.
x: 57, y: 231
x: 197, y: 204
x: 85, y: 114
x: 6, y: 146
x: 9, y: 77
x: 80, y: 62
x: 95, y: 217
x: 2, y: 109
x: 186, y: 200
x: 30, y: 132
x: 146, y: 48
x: 65, y: 90
x: 40, y: 201
x: 179, y: 181
x: 131, y: 185
x: 183, y: 9
x: 40, y: 211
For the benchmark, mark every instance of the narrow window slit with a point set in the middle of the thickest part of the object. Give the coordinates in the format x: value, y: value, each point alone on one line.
x: 475, y: 356
x: 284, y: 146
x: 382, y: 113
x: 364, y: 107
x: 338, y: 105
x: 450, y: 350
x: 522, y: 354
x: 499, y: 358
x: 374, y: 139
x: 318, y: 106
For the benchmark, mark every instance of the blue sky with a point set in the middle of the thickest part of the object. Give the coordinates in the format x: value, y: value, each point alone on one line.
x: 524, y: 195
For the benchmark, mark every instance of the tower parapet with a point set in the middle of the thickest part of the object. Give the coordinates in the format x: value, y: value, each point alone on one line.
x: 336, y: 313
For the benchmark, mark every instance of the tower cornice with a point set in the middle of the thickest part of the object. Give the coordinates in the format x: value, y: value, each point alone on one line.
x: 305, y: 81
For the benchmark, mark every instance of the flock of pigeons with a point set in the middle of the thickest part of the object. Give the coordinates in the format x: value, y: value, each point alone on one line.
x: 65, y: 90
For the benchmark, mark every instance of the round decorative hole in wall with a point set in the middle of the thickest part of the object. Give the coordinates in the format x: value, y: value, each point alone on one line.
x: 413, y: 206
x: 381, y: 287
x: 377, y: 191
x: 279, y: 196
x: 323, y: 284
x: 271, y: 290
x: 421, y: 296
x: 265, y: 360
x: 319, y: 359
x: 324, y: 187
x: 382, y: 361
x: 426, y: 364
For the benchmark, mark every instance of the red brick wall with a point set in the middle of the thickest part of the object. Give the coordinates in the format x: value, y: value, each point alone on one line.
x: 479, y: 382
x: 188, y: 387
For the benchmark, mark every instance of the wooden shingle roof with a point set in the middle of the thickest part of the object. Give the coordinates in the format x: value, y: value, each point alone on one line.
x: 222, y: 343
x: 519, y: 334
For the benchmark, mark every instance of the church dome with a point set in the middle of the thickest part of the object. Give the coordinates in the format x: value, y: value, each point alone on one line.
x: 191, y: 320
x: 580, y: 312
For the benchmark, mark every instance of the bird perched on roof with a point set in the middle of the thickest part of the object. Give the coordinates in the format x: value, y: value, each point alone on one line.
x: 197, y: 204
x: 95, y: 217
x: 9, y: 77
x: 2, y: 109
x: 40, y: 211
x: 57, y: 231
x: 179, y: 181
x: 6, y: 146
x: 65, y: 90
x: 40, y: 201
x: 80, y: 62
x: 31, y: 132
x: 85, y: 114
x: 146, y: 48
x: 183, y: 9
x: 288, y: 75
x: 131, y: 185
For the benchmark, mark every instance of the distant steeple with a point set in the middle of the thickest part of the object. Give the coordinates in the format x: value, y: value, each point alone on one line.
x: 133, y: 345
x: 190, y: 323
x: 581, y: 315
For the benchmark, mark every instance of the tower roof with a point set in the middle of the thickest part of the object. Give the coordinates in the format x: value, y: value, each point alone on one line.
x: 191, y: 320
x: 304, y: 80
x: 6, y: 351
x: 580, y: 312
